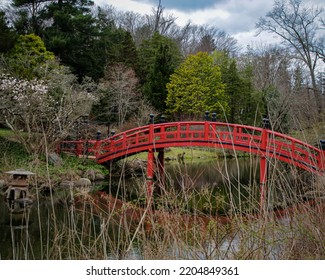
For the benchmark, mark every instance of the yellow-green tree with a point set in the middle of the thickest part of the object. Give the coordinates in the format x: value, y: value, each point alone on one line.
x: 28, y: 54
x: 195, y: 87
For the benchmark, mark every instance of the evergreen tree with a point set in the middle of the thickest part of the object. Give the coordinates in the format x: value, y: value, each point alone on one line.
x: 238, y: 88
x: 158, y: 58
x: 72, y: 34
x: 28, y: 15
x: 116, y: 46
x: 7, y: 35
x: 196, y: 86
x: 27, y: 55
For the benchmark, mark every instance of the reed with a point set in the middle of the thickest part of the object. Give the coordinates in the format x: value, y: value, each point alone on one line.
x: 186, y: 220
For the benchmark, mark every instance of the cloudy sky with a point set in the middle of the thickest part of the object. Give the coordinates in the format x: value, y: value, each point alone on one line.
x: 236, y: 17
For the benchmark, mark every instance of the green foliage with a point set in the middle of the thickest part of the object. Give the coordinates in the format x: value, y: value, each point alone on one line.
x: 120, y: 47
x: 28, y: 54
x: 239, y: 89
x: 7, y: 35
x: 159, y: 57
x: 27, y: 15
x: 72, y: 34
x: 196, y: 86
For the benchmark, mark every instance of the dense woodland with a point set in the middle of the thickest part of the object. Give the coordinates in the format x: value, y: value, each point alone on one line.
x: 65, y: 63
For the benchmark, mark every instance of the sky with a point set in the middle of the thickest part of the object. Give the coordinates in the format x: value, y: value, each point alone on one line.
x: 235, y: 17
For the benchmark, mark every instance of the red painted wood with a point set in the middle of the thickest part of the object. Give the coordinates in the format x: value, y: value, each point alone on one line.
x: 263, y: 169
x: 207, y: 134
x: 150, y: 174
x: 161, y: 167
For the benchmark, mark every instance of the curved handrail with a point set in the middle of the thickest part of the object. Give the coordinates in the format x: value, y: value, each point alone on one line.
x: 245, y: 138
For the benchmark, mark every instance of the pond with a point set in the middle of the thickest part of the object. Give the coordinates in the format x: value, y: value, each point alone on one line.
x: 55, y: 228
x: 210, y: 186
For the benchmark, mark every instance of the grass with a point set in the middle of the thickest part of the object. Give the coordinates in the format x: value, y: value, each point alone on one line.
x: 11, y: 153
x: 191, y: 154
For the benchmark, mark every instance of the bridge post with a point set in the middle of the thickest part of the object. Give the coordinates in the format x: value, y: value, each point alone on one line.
x: 321, y: 155
x: 263, y: 171
x: 263, y: 186
x: 150, y: 175
x: 79, y: 147
x: 161, y: 168
x: 206, y: 125
x: 150, y: 162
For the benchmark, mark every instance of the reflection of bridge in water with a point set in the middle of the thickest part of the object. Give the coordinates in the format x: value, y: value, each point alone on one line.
x: 153, y: 138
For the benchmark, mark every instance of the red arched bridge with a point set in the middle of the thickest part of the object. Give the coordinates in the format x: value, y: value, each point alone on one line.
x: 155, y: 137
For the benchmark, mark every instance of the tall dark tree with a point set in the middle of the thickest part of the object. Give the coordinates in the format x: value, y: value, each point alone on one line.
x: 118, y: 47
x: 72, y: 34
x: 158, y: 57
x: 238, y: 88
x: 28, y: 15
x: 7, y: 35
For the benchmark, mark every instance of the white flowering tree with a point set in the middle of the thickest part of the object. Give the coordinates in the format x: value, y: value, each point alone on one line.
x: 40, y: 112
x: 40, y: 99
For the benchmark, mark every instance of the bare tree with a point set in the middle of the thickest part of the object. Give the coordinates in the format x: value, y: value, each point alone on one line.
x: 142, y: 27
x: 195, y: 38
x: 271, y: 78
x: 321, y: 48
x: 160, y: 23
x: 299, y: 28
x: 120, y: 85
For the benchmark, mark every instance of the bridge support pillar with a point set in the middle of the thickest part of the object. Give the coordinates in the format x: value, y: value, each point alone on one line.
x: 263, y: 172
x: 150, y: 175
x: 263, y: 185
x: 161, y: 169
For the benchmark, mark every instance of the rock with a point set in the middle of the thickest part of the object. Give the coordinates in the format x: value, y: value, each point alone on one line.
x: 55, y: 159
x: 66, y: 184
x: 83, y: 182
x: 129, y: 168
x: 70, y: 175
x: 99, y: 177
x: 93, y: 175
x: 90, y: 174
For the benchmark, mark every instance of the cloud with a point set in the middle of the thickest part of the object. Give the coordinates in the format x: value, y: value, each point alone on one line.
x: 184, y: 5
x: 230, y: 15
x: 249, y: 38
x: 141, y: 7
x: 201, y: 17
x: 235, y: 17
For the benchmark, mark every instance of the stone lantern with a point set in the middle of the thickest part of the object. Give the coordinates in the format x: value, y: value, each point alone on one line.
x: 18, y: 185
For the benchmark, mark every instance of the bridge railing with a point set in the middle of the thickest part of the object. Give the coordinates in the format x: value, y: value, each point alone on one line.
x: 292, y: 150
x: 250, y: 139
x: 80, y: 148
